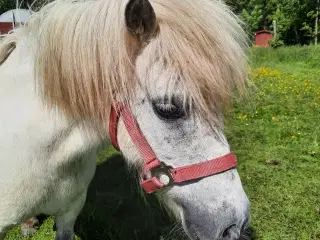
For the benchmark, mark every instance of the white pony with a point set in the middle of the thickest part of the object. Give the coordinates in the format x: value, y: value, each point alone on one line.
x: 175, y: 63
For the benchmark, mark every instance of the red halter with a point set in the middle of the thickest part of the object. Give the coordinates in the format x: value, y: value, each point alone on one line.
x: 154, y: 165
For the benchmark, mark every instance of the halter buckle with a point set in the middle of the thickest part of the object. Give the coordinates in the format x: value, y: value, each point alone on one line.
x: 161, y: 172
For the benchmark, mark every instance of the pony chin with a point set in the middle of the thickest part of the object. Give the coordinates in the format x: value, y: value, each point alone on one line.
x: 215, y: 212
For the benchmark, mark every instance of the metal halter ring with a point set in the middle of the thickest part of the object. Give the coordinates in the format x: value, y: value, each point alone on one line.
x: 163, y: 170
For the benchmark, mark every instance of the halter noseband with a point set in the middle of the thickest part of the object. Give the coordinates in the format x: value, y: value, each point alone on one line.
x: 153, y: 165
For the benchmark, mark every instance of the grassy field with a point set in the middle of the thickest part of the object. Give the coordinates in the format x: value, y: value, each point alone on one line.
x: 276, y: 135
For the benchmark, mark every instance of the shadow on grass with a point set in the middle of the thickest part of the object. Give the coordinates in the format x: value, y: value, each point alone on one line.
x: 115, y: 209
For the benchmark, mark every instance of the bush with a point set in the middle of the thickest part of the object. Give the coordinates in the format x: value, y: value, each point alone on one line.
x: 275, y: 43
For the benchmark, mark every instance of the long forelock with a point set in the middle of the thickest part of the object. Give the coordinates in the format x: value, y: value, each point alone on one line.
x: 82, y: 58
x: 83, y: 63
x: 204, y: 47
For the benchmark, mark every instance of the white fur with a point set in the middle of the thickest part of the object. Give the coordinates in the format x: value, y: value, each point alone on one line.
x: 46, y: 163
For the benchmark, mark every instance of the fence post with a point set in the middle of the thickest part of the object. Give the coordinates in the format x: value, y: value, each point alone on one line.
x: 275, y: 29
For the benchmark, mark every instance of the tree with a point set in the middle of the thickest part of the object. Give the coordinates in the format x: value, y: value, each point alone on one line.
x: 237, y: 5
x: 296, y: 19
x: 6, y: 5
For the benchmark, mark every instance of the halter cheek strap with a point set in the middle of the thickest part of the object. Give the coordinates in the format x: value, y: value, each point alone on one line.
x: 153, y: 165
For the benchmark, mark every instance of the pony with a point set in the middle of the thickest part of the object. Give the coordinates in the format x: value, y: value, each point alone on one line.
x: 176, y: 65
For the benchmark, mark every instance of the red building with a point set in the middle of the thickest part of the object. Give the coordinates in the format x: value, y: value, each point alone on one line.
x: 13, y: 18
x: 262, y: 38
x: 5, y: 27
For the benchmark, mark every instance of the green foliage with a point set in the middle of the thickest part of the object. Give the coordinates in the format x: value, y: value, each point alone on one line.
x: 237, y: 5
x: 253, y: 18
x: 275, y: 43
x: 295, y: 18
x: 6, y: 5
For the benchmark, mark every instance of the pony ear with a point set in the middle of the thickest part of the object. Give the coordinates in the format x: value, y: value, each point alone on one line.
x: 140, y: 19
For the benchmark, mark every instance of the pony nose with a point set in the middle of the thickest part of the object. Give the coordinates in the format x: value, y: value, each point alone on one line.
x: 233, y: 232
x: 229, y: 232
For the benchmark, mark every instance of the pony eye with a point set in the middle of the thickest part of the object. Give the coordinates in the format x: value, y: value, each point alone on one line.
x: 168, y: 111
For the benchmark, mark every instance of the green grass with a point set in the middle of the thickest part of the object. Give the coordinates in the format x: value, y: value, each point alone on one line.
x: 275, y: 133
x: 307, y: 56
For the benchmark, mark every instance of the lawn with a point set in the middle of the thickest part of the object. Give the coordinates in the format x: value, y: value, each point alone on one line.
x: 276, y: 135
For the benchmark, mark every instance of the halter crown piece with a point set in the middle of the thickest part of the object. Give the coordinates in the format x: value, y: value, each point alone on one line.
x: 153, y: 166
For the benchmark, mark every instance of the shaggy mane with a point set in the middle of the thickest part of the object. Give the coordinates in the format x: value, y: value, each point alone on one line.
x: 204, y: 45
x: 83, y: 58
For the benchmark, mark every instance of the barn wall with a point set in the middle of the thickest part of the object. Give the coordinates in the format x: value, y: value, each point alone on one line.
x: 262, y: 39
x: 5, y: 27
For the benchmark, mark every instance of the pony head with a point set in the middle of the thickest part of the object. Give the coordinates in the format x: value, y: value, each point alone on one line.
x: 176, y: 64
x: 192, y: 59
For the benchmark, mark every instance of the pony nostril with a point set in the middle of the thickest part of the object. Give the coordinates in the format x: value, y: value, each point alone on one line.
x: 227, y: 232
x: 245, y: 224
